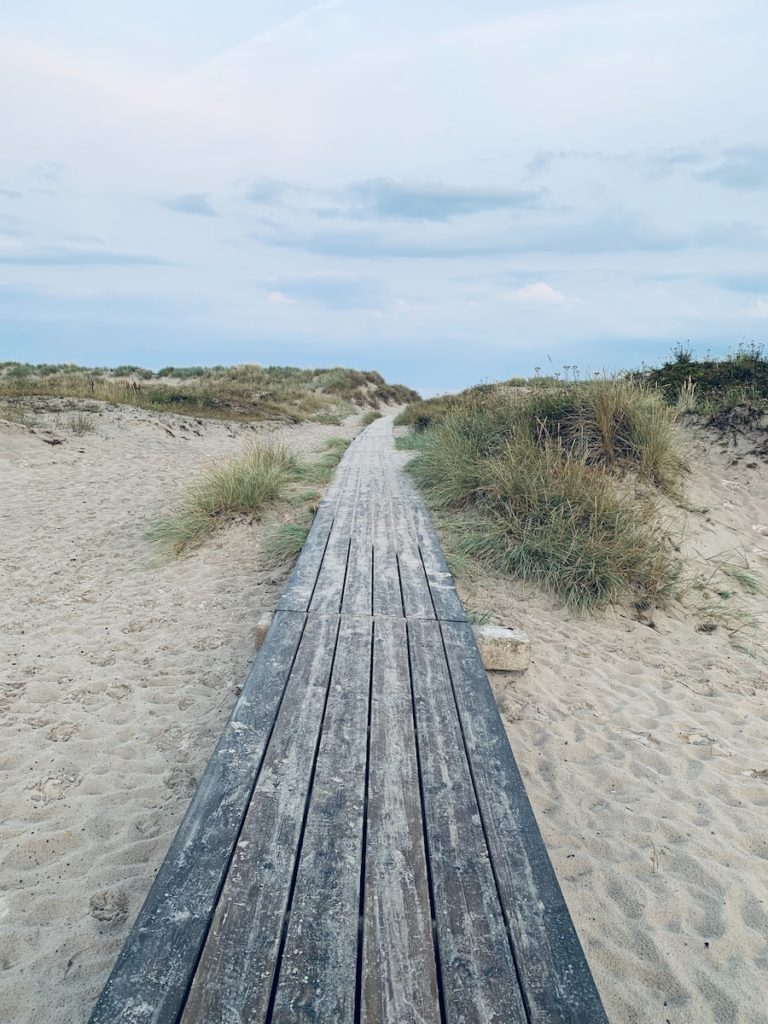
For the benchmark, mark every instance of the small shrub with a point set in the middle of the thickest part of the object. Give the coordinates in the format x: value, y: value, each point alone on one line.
x: 532, y: 481
x: 713, y: 384
x: 239, y: 486
x: 81, y: 423
x: 370, y: 417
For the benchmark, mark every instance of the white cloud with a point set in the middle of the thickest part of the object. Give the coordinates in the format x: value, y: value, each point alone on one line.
x: 759, y: 309
x: 280, y: 299
x: 537, y: 294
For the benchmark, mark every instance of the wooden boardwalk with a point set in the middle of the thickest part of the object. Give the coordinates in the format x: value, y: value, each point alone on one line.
x: 361, y: 847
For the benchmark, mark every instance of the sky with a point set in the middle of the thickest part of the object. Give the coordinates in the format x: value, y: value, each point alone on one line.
x: 447, y: 192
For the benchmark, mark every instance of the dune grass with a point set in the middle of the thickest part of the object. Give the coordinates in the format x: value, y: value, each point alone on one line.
x: 81, y: 423
x: 283, y: 542
x: 240, y: 486
x: 248, y: 392
x: 320, y: 471
x: 539, y: 485
x: 709, y: 386
x: 370, y: 417
x: 245, y: 486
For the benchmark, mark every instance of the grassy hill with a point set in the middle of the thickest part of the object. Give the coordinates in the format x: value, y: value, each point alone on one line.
x: 248, y: 392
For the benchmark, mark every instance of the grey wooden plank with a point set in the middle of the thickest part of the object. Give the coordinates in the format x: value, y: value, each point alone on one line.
x: 442, y: 588
x: 298, y: 591
x: 233, y: 981
x: 358, y: 587
x: 553, y: 970
x: 387, y: 597
x: 417, y: 598
x: 399, y: 984
x: 328, y: 593
x: 150, y: 978
x: 318, y: 970
x: 479, y: 981
x: 330, y: 581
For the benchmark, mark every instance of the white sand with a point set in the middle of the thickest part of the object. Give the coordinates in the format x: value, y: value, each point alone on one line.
x: 116, y: 682
x: 645, y: 754
x: 645, y: 750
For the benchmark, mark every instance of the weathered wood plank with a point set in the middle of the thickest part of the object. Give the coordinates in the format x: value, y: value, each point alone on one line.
x: 554, y: 973
x: 330, y: 582
x: 477, y: 968
x: 233, y: 981
x: 319, y: 965
x: 399, y: 977
x: 442, y: 588
x: 387, y: 598
x: 358, y: 587
x: 298, y: 591
x: 149, y: 981
x: 417, y: 599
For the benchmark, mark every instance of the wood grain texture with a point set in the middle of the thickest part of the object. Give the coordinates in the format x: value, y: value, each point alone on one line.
x: 234, y: 978
x: 399, y: 974
x: 319, y: 965
x: 298, y: 591
x: 477, y: 968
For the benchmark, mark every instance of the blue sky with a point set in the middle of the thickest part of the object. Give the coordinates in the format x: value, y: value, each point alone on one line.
x: 447, y: 192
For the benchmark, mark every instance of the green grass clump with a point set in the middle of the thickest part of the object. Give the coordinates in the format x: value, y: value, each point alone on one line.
x: 283, y: 543
x: 534, y: 484
x: 81, y: 423
x: 240, y: 486
x: 708, y: 386
x: 320, y: 472
x: 370, y: 417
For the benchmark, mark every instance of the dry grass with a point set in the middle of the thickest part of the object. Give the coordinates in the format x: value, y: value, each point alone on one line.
x: 248, y: 392
x: 245, y: 486
x: 81, y: 423
x: 240, y: 486
x: 283, y: 542
x: 540, y: 485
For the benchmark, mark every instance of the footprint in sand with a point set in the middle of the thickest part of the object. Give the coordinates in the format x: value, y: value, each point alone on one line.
x: 62, y: 732
x: 47, y: 790
x: 109, y: 907
x: 181, y: 780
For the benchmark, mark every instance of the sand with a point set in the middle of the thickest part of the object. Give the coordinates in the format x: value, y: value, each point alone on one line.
x: 645, y: 754
x: 644, y: 747
x: 115, y: 681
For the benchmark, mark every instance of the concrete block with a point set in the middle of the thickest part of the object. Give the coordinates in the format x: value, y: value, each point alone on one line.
x: 503, y: 649
x: 262, y: 628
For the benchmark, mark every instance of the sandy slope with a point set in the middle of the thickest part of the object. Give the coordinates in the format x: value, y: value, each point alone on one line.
x: 116, y: 682
x: 645, y: 754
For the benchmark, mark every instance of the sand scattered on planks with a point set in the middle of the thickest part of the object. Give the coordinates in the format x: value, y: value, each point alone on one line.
x: 115, y: 682
x: 645, y: 754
